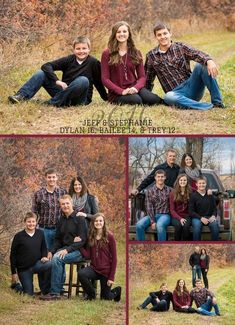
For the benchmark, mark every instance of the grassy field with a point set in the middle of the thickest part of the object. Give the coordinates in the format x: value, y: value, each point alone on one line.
x: 20, y: 310
x: 35, y: 118
x: 221, y: 282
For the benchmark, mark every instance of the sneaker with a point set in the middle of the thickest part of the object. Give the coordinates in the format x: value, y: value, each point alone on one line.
x: 117, y: 293
x: 140, y: 307
x: 16, y: 99
x: 219, y: 105
x: 50, y: 296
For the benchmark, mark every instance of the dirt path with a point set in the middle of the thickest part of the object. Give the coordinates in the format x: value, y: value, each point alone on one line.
x: 145, y: 317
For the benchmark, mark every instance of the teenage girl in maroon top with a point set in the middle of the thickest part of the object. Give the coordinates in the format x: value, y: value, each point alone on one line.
x: 179, y: 201
x: 101, y: 251
x: 181, y: 298
x: 122, y: 69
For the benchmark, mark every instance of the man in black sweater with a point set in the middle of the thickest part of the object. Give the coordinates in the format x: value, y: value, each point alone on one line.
x: 80, y: 72
x: 171, y: 169
x: 29, y: 256
x: 160, y: 300
x: 203, y: 211
x: 65, y: 250
x: 194, y: 261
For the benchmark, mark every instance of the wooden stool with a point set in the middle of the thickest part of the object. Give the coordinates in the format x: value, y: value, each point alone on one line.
x: 77, y: 284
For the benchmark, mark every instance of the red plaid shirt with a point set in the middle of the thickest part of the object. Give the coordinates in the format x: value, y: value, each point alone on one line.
x: 47, y: 207
x: 157, y: 201
x: 172, y: 67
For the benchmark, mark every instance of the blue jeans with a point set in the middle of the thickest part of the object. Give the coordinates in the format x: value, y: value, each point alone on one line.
x: 57, y: 269
x: 196, y: 272
x: 161, y: 220
x: 75, y: 94
x: 197, y: 229
x: 44, y: 276
x: 49, y: 235
x: 205, y: 309
x: 190, y: 92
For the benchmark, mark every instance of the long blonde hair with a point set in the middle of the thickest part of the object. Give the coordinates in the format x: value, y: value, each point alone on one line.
x: 113, y: 46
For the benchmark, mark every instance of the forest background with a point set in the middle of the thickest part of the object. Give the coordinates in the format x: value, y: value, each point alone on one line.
x: 151, y: 265
x: 33, y: 32
x: 23, y: 161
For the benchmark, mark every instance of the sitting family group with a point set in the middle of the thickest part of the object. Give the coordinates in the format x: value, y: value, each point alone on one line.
x: 182, y: 300
x: 62, y: 229
x: 178, y: 197
x: 123, y: 73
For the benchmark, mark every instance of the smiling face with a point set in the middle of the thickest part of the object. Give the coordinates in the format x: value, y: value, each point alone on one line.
x: 99, y: 223
x: 160, y: 179
x: 66, y: 206
x: 77, y: 187
x: 164, y: 288
x: 122, y: 34
x: 188, y: 161
x: 81, y: 51
x: 30, y: 224
x: 183, y: 181
x: 170, y: 158
x: 201, y: 185
x: 163, y: 36
x: 198, y: 284
x: 181, y: 283
x: 51, y: 180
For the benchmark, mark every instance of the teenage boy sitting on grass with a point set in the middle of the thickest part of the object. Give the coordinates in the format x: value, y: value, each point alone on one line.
x: 80, y: 72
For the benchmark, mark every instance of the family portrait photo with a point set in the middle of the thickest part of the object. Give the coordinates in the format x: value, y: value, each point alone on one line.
x: 181, y: 188
x: 172, y: 284
x: 62, y: 230
x: 66, y: 62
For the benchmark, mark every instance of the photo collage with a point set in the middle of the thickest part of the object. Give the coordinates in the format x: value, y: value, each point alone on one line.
x: 117, y: 142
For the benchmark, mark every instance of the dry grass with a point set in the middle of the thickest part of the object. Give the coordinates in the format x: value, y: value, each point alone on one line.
x: 34, y: 117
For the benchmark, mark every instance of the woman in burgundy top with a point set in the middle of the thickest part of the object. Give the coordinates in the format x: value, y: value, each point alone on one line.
x: 181, y: 298
x: 122, y: 69
x: 204, y: 263
x: 179, y: 200
x: 101, y: 251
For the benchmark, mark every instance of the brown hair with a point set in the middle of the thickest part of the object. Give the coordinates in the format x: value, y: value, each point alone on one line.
x: 183, y: 164
x: 64, y: 197
x: 202, y: 178
x: 177, y: 288
x: 92, y: 241
x: 83, y: 183
x: 178, y: 197
x: 160, y: 26
x: 50, y: 171
x: 163, y: 284
x: 115, y: 58
x: 30, y: 215
x: 82, y: 39
x: 160, y: 171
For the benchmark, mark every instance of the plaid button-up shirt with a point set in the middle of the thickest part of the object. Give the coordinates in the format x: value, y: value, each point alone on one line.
x: 47, y: 207
x: 172, y: 67
x: 157, y: 201
x: 200, y: 297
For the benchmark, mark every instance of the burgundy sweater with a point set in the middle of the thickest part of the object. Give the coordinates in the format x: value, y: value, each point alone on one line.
x: 113, y: 76
x: 178, y: 210
x: 103, y: 259
x: 182, y: 300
